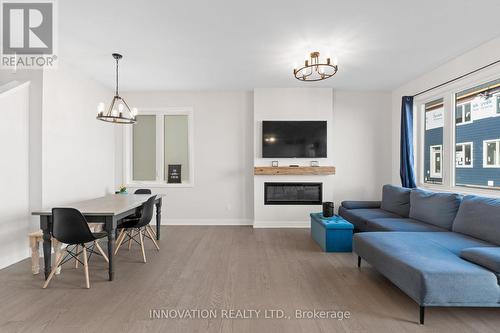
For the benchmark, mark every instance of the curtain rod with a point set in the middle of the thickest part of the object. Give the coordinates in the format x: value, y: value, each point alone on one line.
x: 457, y: 78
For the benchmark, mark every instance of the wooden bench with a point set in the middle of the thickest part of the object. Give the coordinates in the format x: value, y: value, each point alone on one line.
x: 36, y: 238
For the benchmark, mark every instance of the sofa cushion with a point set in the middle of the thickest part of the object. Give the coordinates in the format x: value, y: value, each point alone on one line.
x: 396, y: 199
x: 488, y: 257
x: 434, y: 208
x: 425, y: 270
x: 479, y: 217
x: 360, y: 217
x: 401, y: 224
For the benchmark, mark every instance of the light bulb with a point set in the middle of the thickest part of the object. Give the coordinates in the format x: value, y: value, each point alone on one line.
x: 120, y: 107
x: 321, y: 70
x: 100, y: 107
x: 134, y: 112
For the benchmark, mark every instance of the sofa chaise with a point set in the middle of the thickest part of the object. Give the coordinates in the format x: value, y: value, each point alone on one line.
x: 441, y: 249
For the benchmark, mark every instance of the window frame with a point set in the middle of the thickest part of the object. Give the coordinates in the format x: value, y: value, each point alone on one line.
x: 448, y: 93
x: 485, y: 153
x: 160, y: 158
x: 463, y: 144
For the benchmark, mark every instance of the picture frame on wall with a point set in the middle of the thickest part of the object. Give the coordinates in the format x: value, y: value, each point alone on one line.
x: 174, y: 174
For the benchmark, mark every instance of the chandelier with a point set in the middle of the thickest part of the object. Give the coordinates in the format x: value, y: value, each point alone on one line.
x: 118, y: 111
x: 313, y: 70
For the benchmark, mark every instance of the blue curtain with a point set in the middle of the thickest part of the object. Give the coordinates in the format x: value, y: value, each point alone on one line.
x: 407, y: 168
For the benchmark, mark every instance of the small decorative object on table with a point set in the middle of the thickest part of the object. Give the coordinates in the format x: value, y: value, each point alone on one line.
x: 274, y: 163
x: 314, y: 163
x: 123, y: 190
x: 333, y: 234
x: 328, y: 208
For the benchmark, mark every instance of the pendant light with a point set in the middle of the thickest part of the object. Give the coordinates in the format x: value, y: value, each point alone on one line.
x: 118, y: 111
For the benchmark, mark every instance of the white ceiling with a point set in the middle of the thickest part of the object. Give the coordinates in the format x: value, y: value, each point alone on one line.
x: 233, y: 44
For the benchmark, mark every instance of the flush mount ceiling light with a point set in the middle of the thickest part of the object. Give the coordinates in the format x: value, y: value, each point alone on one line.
x: 313, y: 70
x: 118, y: 111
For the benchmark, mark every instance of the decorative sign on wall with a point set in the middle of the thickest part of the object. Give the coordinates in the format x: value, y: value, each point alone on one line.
x: 174, y: 173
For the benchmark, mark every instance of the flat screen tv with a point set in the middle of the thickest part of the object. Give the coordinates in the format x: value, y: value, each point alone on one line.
x: 286, y: 139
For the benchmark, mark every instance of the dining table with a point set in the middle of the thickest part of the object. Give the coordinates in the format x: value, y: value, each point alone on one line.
x: 109, y: 210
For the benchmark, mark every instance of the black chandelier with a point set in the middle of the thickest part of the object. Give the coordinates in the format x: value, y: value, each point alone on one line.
x: 313, y: 70
x: 118, y: 111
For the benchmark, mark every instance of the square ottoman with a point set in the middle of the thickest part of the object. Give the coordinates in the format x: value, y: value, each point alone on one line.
x: 333, y: 234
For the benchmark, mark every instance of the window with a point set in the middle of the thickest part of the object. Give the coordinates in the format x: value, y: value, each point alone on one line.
x: 498, y: 103
x: 491, y: 157
x: 463, y: 155
x: 158, y: 149
x: 463, y: 114
x: 433, y: 141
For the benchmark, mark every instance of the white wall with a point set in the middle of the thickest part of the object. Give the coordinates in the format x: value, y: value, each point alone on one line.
x: 222, y: 191
x: 77, y: 149
x: 471, y: 60
x: 359, y: 146
x: 14, y: 172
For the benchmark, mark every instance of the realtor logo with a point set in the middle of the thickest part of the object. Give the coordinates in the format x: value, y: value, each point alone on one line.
x: 28, y: 34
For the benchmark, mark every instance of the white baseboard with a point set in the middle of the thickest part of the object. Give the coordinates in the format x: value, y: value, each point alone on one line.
x: 168, y: 221
x: 281, y: 224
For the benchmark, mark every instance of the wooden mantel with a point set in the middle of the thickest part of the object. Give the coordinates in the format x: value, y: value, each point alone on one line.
x: 301, y: 170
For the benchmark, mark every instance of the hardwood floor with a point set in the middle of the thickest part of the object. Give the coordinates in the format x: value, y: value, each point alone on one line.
x: 222, y: 268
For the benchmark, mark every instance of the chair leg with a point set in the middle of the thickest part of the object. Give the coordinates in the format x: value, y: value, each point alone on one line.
x: 152, y: 237
x: 76, y: 255
x: 57, y: 253
x: 142, y: 245
x: 99, y: 248
x: 35, y: 255
x: 130, y: 234
x: 52, y: 272
x: 86, y: 267
x: 120, y: 239
x: 152, y: 230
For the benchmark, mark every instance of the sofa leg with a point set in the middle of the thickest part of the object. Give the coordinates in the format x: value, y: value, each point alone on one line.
x: 359, y: 261
x: 422, y: 314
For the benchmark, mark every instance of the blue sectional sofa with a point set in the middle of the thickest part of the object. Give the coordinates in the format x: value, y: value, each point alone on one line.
x: 441, y: 249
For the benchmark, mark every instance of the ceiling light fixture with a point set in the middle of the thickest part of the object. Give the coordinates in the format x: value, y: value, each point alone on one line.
x: 118, y: 111
x: 313, y: 70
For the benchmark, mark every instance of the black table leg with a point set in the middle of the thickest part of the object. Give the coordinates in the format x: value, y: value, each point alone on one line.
x: 158, y: 218
x: 47, y: 244
x: 111, y: 230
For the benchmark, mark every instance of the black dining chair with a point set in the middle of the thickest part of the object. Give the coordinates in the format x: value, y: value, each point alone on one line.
x: 130, y: 228
x: 142, y: 191
x: 70, y: 227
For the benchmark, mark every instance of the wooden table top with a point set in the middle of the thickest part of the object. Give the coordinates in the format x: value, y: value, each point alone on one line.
x: 110, y: 205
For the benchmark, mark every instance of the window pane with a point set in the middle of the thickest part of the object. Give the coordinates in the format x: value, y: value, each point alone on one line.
x: 491, y: 153
x: 498, y: 103
x: 144, y: 148
x: 467, y: 113
x: 468, y: 154
x: 458, y: 114
x: 176, y: 147
x: 433, y: 142
x: 481, y: 125
x: 459, y: 155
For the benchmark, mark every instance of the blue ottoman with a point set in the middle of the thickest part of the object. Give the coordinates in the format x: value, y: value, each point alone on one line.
x: 333, y: 234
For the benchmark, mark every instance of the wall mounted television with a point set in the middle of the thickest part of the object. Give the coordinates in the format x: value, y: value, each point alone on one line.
x: 288, y: 139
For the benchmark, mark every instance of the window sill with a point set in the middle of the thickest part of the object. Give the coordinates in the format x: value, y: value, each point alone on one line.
x: 487, y: 192
x: 158, y: 185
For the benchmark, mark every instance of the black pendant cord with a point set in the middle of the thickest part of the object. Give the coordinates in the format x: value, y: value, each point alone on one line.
x: 116, y: 91
x: 457, y: 78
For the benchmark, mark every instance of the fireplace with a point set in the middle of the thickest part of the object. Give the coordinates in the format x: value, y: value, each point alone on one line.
x: 293, y: 193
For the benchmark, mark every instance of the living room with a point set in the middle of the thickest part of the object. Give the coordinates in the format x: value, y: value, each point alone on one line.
x: 250, y: 166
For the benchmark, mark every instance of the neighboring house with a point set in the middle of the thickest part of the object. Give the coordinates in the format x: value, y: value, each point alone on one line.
x: 477, y: 137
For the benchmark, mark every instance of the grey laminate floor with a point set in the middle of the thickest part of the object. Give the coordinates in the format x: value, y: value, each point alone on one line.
x: 223, y: 268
